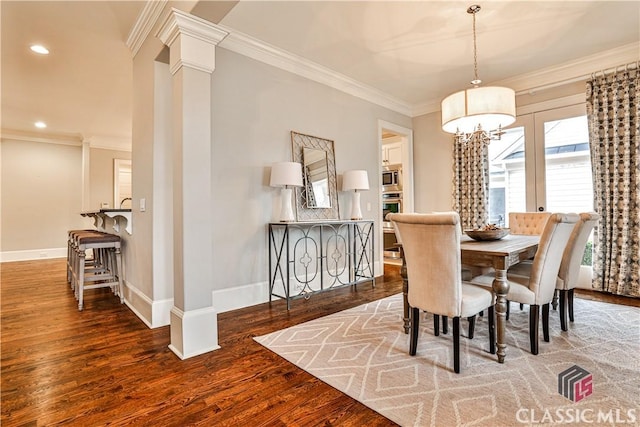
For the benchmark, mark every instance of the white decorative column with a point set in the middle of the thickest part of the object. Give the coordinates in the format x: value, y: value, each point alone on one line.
x: 192, y: 42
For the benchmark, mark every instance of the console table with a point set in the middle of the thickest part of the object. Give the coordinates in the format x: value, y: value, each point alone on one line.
x: 310, y: 257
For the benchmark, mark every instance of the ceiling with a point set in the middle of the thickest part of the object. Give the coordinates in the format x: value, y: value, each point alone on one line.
x: 415, y: 52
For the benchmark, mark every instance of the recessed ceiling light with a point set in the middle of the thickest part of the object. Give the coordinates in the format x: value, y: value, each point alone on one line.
x: 38, y: 48
x: 40, y: 125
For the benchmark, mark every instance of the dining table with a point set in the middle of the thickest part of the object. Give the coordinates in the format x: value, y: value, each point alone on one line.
x: 498, y: 254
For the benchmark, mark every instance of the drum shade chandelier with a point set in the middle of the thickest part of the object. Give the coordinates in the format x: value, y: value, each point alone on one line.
x: 485, y: 110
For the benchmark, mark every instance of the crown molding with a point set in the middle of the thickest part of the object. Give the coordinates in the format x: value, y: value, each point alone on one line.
x: 573, y: 71
x: 251, y: 47
x: 178, y: 22
x: 558, y: 75
x: 145, y: 22
x: 105, y: 142
x: 108, y: 142
x: 72, y: 139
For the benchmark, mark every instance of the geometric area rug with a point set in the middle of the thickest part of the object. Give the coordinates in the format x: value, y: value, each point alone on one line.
x: 363, y: 352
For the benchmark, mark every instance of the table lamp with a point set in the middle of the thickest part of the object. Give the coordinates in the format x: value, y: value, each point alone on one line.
x: 356, y: 180
x: 286, y: 175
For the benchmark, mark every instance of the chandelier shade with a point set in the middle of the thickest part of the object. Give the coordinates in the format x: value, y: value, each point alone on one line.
x: 486, y: 108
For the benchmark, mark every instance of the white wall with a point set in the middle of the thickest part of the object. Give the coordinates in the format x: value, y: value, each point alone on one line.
x: 41, y: 198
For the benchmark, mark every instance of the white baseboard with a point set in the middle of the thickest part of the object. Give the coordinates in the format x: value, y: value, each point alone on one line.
x: 32, y: 254
x: 154, y: 314
x: 239, y: 297
x: 256, y: 293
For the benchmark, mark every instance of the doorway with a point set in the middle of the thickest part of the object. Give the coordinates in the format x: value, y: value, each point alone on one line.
x: 396, y: 183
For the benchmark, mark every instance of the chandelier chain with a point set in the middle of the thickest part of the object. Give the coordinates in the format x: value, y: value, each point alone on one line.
x: 475, y: 49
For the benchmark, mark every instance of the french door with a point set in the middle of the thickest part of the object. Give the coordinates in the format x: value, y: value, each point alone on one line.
x: 541, y: 163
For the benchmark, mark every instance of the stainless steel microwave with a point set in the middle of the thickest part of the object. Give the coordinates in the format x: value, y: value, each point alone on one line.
x: 392, y: 178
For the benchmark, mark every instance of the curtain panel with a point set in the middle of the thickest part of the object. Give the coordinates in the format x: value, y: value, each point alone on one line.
x: 471, y: 180
x: 613, y: 110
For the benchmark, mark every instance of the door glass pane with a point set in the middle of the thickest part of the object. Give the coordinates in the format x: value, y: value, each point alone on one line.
x: 568, y: 183
x: 507, y: 176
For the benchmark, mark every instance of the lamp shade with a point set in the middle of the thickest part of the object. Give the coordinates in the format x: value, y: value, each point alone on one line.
x: 355, y: 180
x: 490, y: 107
x: 286, y: 173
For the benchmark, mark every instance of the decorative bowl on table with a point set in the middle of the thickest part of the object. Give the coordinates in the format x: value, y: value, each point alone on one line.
x: 487, y: 234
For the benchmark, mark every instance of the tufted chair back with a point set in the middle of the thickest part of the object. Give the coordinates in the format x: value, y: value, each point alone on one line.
x: 529, y: 223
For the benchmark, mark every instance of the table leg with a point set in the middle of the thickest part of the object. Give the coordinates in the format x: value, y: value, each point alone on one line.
x: 405, y: 293
x: 501, y: 288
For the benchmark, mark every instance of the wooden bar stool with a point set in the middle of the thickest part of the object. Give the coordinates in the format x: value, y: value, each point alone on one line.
x: 106, y: 270
x: 72, y: 254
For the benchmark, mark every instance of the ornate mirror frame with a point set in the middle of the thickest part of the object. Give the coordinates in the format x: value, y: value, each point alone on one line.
x: 300, y: 141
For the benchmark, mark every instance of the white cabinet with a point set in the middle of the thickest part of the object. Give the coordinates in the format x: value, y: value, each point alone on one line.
x: 391, y: 153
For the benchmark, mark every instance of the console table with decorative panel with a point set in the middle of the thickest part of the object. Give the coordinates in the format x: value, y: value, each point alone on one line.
x: 310, y: 257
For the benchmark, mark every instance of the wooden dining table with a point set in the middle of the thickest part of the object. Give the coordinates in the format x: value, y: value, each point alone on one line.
x: 499, y: 254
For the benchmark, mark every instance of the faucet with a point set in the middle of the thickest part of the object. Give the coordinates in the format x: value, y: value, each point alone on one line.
x: 124, y: 200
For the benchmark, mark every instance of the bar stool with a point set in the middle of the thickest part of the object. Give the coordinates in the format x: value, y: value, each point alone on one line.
x: 104, y: 271
x: 72, y: 251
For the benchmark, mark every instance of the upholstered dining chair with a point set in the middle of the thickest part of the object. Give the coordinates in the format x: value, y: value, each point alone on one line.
x: 570, y: 266
x: 529, y: 223
x: 431, y: 244
x: 538, y: 287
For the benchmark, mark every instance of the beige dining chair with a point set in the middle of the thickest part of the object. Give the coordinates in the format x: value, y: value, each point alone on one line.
x: 570, y: 266
x: 528, y: 223
x: 431, y: 244
x: 538, y: 287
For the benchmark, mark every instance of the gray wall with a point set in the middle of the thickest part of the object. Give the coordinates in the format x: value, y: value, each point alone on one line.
x: 255, y: 107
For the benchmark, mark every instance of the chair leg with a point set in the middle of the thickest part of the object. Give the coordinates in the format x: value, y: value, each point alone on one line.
x: 436, y: 325
x: 563, y: 309
x: 521, y: 306
x: 472, y: 326
x: 445, y: 325
x: 545, y: 322
x: 570, y: 304
x: 492, y: 330
x: 554, y: 301
x: 456, y: 344
x: 415, y: 323
x: 508, y: 310
x: 534, y: 317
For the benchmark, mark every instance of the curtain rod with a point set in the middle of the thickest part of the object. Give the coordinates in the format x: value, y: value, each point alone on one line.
x: 610, y: 70
x: 635, y: 64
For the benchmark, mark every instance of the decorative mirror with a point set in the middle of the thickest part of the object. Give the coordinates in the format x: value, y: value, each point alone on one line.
x: 317, y: 199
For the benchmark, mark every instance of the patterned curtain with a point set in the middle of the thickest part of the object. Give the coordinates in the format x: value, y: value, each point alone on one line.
x: 613, y: 109
x: 471, y: 180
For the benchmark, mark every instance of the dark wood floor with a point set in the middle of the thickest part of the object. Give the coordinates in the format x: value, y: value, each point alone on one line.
x: 104, y: 366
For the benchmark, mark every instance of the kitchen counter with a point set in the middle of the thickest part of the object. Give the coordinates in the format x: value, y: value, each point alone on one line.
x: 121, y: 217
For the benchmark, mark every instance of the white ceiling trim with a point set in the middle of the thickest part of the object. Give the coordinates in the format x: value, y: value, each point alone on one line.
x: 145, y: 22
x: 251, y: 47
x: 48, y: 138
x: 256, y: 49
x: 546, y: 78
x: 105, y: 142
